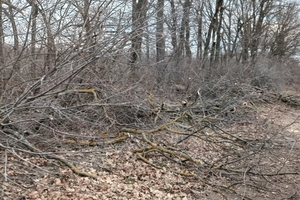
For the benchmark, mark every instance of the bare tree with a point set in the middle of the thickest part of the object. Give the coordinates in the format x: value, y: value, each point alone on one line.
x: 173, y: 27
x: 160, y: 36
x: 50, y: 46
x: 232, y: 25
x: 212, y: 31
x: 11, y: 14
x: 160, y: 39
x: 184, y: 33
x: 33, y: 19
x: 139, y: 11
x: 1, y: 36
x: 2, y: 77
x: 199, y: 18
x: 264, y: 8
x: 285, y: 38
x: 186, y: 14
x: 218, y: 32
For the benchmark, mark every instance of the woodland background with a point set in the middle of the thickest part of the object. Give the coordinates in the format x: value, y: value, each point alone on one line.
x: 189, y: 87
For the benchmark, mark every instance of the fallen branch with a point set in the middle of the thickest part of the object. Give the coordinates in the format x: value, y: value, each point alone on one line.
x: 34, y: 149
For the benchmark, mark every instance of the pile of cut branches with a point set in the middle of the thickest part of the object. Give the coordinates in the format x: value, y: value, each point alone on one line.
x: 201, y: 138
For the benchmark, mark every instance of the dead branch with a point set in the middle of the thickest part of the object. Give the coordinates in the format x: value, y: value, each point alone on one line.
x: 34, y: 149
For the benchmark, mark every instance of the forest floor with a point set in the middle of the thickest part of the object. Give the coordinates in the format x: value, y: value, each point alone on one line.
x: 120, y: 174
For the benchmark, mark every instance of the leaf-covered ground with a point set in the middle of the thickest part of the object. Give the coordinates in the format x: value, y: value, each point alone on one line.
x: 122, y: 175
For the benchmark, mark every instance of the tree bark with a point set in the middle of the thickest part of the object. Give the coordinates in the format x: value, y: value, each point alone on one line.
x: 199, y: 52
x: 50, y: 43
x: 184, y: 34
x: 2, y: 77
x: 173, y: 28
x: 219, y: 34
x: 264, y: 7
x: 160, y: 38
x: 34, y: 14
x: 186, y: 13
x: 139, y: 12
x: 1, y: 37
x: 212, y: 30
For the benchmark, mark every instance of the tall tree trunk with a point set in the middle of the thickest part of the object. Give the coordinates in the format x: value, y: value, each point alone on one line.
x: 1, y: 37
x: 138, y: 18
x: 160, y: 38
x: 139, y: 14
x: 219, y: 34
x: 87, y: 23
x: 210, y: 39
x: 34, y: 14
x: 180, y: 47
x: 51, y: 50
x: 199, y: 31
x: 173, y: 28
x: 147, y: 38
x: 216, y: 31
x: 263, y: 11
x: 16, y: 66
x: 186, y: 13
x: 50, y: 43
x: 245, y: 42
x: 16, y: 55
x: 2, y: 77
x: 184, y: 34
x: 233, y: 48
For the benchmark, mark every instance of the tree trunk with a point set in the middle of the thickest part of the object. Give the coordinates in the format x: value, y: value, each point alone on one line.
x: 264, y: 7
x: 138, y: 19
x: 87, y: 24
x: 2, y: 77
x: 216, y: 31
x: 16, y: 66
x: 1, y: 37
x: 160, y: 38
x: 184, y: 48
x: 210, y: 38
x: 50, y: 43
x: 173, y: 27
x: 199, y: 31
x: 34, y: 14
x: 219, y: 34
x: 186, y: 13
